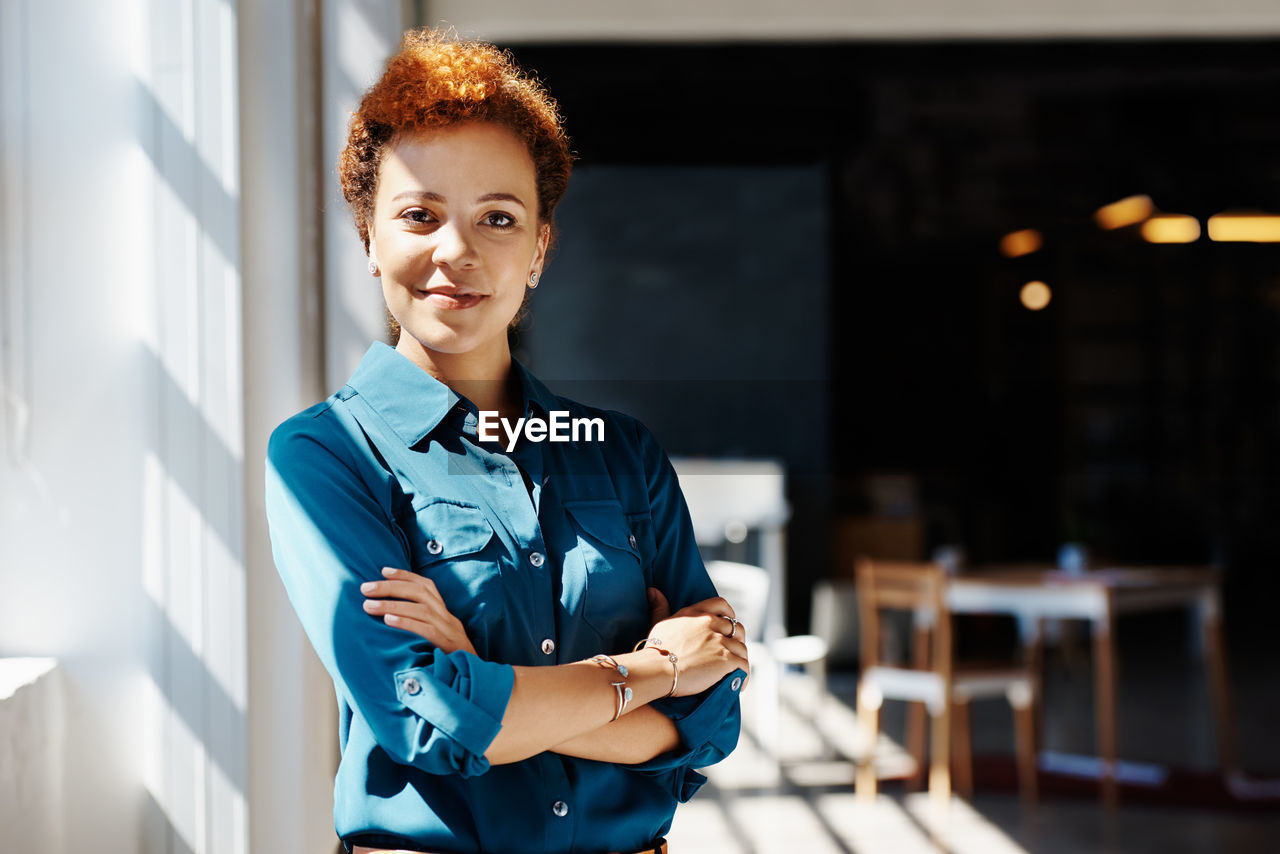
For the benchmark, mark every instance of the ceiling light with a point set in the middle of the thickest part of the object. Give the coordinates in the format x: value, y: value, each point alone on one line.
x: 1245, y: 227
x: 1171, y: 228
x: 1035, y: 295
x: 1128, y: 211
x: 1017, y: 243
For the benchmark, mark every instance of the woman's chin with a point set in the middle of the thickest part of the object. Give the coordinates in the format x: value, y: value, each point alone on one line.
x: 447, y: 341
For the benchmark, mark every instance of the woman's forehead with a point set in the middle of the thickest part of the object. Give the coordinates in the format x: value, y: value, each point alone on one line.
x: 459, y: 153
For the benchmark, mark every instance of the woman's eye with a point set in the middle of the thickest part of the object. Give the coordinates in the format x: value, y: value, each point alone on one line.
x: 498, y: 219
x: 418, y: 216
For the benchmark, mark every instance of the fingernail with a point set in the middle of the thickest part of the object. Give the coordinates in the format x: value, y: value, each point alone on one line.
x: 392, y: 618
x: 368, y: 587
x: 388, y: 571
x: 372, y: 604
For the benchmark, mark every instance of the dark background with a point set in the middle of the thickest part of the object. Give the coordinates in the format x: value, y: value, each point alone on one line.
x: 1137, y: 413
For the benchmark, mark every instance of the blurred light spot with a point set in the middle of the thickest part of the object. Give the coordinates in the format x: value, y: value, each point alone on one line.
x: 1035, y: 295
x: 735, y: 531
x: 1245, y: 227
x: 1127, y: 211
x: 1018, y: 243
x: 1171, y: 228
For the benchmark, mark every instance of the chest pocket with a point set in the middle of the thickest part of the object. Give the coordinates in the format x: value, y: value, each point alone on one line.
x: 447, y: 543
x: 613, y: 585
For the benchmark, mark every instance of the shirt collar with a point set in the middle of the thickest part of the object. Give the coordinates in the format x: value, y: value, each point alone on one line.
x: 413, y: 403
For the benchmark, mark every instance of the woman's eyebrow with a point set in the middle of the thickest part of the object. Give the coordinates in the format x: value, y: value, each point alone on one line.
x: 418, y: 194
x: 501, y: 197
x: 436, y: 197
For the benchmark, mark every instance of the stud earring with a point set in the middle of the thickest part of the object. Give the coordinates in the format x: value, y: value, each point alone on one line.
x: 373, y: 267
x: 533, y: 279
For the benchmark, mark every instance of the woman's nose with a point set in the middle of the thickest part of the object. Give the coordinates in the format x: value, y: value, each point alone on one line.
x: 453, y: 247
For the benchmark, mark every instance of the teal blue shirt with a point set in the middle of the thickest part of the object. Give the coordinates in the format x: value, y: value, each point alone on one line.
x: 390, y: 472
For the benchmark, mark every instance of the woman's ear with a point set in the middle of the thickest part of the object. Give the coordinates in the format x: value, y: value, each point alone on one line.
x: 540, y: 255
x: 373, y: 256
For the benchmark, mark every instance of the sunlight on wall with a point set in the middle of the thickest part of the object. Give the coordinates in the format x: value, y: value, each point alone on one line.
x: 192, y: 538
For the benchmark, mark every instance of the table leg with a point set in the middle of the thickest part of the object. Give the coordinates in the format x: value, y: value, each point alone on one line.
x: 1219, y: 681
x: 1033, y: 643
x: 1104, y: 649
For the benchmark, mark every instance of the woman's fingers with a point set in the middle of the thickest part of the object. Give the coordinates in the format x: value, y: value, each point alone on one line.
x: 439, y: 627
x: 411, y: 602
x: 402, y: 585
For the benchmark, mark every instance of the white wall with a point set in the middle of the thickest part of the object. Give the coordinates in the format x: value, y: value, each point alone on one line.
x: 681, y: 20
x: 76, y: 274
x: 122, y: 495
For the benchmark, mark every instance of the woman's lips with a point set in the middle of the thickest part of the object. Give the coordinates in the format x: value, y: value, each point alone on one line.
x: 451, y: 301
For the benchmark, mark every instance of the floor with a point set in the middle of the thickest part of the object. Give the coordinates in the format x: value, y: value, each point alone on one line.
x: 804, y: 803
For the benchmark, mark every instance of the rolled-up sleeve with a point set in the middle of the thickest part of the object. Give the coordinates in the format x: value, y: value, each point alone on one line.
x: 708, y: 723
x: 332, y: 528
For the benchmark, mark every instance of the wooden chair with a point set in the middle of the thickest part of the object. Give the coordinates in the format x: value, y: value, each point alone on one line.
x: 932, y: 680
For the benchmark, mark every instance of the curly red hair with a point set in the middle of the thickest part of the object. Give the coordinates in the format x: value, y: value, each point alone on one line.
x: 437, y: 80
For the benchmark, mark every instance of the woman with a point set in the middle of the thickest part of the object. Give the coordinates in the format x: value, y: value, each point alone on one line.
x: 495, y: 614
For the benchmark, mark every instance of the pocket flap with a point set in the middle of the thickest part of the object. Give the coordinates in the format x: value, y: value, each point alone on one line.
x: 451, y: 528
x: 603, y: 521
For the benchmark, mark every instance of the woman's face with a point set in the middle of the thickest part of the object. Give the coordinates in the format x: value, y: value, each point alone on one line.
x: 456, y: 236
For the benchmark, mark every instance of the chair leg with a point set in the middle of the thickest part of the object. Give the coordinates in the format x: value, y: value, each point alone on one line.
x: 916, y: 744
x: 1024, y: 721
x: 869, y: 725
x: 962, y: 754
x: 940, y: 758
x: 920, y: 649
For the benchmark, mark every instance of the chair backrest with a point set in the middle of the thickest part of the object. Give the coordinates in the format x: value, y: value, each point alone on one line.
x: 746, y: 588
x: 905, y: 586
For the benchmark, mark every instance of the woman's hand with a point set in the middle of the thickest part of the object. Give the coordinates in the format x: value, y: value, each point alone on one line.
x: 708, y: 644
x: 416, y: 607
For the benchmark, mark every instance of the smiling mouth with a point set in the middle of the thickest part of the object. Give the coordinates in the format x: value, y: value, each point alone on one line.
x: 451, y: 300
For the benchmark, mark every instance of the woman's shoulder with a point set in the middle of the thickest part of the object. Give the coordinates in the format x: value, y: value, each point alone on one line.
x: 314, y: 436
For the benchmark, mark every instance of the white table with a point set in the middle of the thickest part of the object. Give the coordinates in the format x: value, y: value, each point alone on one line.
x: 1033, y: 593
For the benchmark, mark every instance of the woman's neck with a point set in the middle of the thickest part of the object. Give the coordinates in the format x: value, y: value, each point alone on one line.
x: 482, y: 376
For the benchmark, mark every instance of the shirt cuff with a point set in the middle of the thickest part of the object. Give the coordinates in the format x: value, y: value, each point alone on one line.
x: 461, y: 699
x: 708, y: 725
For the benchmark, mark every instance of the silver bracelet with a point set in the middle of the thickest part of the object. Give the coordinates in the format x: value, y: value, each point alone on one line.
x: 671, y: 656
x: 624, y: 693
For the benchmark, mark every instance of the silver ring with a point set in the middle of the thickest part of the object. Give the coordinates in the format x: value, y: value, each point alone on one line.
x: 736, y: 622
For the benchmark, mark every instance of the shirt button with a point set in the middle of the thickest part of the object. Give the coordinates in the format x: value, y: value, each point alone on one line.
x: 736, y: 683
x: 631, y: 538
x: 412, y: 686
x: 434, y: 547
x: 560, y: 808
x: 548, y: 646
x: 536, y: 558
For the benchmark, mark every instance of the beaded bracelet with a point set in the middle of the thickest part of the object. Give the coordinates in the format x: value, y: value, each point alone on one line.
x: 671, y: 656
x: 624, y: 693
